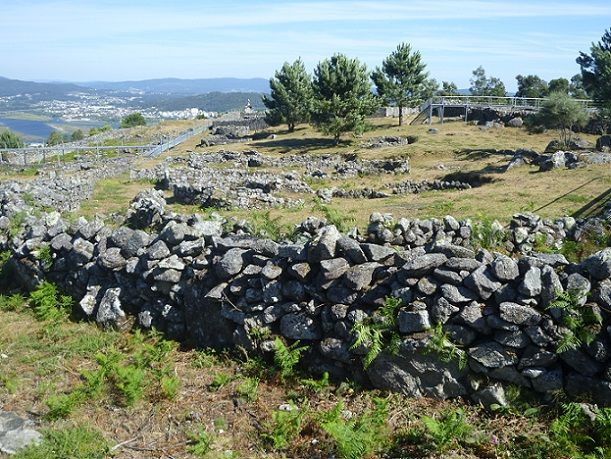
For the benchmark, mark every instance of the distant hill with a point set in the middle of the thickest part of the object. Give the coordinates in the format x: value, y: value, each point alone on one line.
x: 10, y: 87
x: 177, y: 86
x: 211, y: 102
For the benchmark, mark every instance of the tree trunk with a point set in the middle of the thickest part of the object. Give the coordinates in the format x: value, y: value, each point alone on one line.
x: 291, y: 127
x: 336, y: 138
x: 400, y: 115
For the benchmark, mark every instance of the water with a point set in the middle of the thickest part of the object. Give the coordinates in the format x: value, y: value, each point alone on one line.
x: 38, y: 130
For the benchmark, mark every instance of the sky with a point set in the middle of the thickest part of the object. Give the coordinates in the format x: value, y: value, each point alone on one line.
x: 87, y: 40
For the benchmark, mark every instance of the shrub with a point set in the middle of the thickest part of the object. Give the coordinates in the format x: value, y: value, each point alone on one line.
x: 8, y: 139
x: 248, y: 388
x: 560, y: 111
x: 133, y: 120
x: 287, y: 357
x: 358, y: 437
x: 77, y: 442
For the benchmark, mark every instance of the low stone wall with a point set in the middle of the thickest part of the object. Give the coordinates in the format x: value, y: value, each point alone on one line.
x: 199, y: 282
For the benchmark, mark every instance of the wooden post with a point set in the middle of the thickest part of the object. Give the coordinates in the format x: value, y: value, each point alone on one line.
x: 466, y: 113
x: 431, y: 113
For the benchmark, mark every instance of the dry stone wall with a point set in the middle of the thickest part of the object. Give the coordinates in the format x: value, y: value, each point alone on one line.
x: 204, y: 283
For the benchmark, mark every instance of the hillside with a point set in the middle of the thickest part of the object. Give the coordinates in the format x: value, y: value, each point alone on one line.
x: 177, y: 86
x: 10, y: 87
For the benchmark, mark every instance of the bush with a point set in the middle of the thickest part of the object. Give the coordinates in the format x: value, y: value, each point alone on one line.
x: 133, y: 120
x: 8, y: 139
x: 78, y: 442
x: 560, y: 111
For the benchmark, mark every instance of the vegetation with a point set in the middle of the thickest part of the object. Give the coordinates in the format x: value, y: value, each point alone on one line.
x: 448, y: 88
x: 342, y: 96
x: 481, y: 85
x: 95, y: 131
x: 291, y: 95
x: 596, y: 71
x: 55, y: 138
x: 133, y: 120
x: 77, y: 135
x: 401, y: 80
x: 563, y: 113
x: 77, y: 442
x: 8, y: 139
x: 531, y: 86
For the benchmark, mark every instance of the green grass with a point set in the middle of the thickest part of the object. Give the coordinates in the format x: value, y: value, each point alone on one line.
x: 75, y: 442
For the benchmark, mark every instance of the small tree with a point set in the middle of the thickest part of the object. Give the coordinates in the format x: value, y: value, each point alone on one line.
x: 481, y: 85
x: 576, y: 88
x: 402, y: 80
x: 531, y: 86
x: 448, y: 88
x: 564, y: 113
x: 8, y: 139
x: 290, y: 100
x: 342, y: 96
x: 559, y: 85
x: 133, y: 120
x: 77, y: 135
x: 55, y: 138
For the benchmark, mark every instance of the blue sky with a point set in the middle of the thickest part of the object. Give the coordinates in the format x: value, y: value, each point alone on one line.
x: 122, y: 40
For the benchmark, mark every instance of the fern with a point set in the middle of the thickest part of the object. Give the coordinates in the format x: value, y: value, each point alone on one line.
x: 451, y: 428
x: 379, y: 335
x: 286, y: 357
x: 440, y: 343
x: 582, y: 322
x: 284, y: 427
x: 48, y: 304
x: 358, y: 437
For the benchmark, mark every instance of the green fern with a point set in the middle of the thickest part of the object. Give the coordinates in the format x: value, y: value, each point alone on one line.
x: 378, y: 335
x: 440, y: 343
x: 448, y: 430
x: 358, y: 437
x: 582, y: 322
x: 284, y: 427
x: 286, y: 357
x: 48, y: 304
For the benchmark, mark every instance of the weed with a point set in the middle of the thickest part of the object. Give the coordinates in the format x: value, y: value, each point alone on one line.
x: 9, y: 382
x: 200, y: 443
x: 48, y: 304
x: 61, y: 406
x: 77, y: 442
x: 13, y: 302
x: 440, y: 343
x: 169, y: 386
x: 448, y: 430
x: 204, y: 359
x: 266, y: 226
x: 378, y: 335
x: 317, y: 385
x: 248, y: 388
x: 16, y: 223
x: 220, y: 380
x: 286, y: 357
x: 285, y: 427
x: 360, y: 436
x: 582, y: 322
x: 44, y: 256
x: 487, y: 233
x: 334, y: 216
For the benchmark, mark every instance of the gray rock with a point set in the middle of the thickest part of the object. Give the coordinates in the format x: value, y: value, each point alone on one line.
x: 551, y: 286
x: 137, y: 241
x: 457, y: 294
x: 230, y: 264
x: 112, y: 259
x: 472, y: 316
x: 158, y: 251
x: 492, y: 355
x: 504, y: 268
x: 375, y: 252
x: 463, y: 336
x: 271, y: 271
x: 463, y: 264
x: 299, y: 326
x: 599, y: 264
x: 333, y: 268
x: 442, y: 310
x: 109, y: 312
x: 548, y: 382
x: 518, y: 314
x: 579, y: 286
x: 335, y: 349
x: 581, y: 362
x: 360, y: 276
x: 516, y: 339
x: 16, y: 433
x: 324, y: 245
x: 413, y: 321
x: 173, y: 262
x: 351, y: 249
x: 531, y: 283
x: 490, y: 396
x: 300, y: 270
x: 424, y: 264
x: 427, y: 286
x: 174, y: 233
x: 447, y: 276
x: 481, y: 282
x: 61, y: 242
x: 599, y: 391
x: 82, y: 251
x: 89, y: 302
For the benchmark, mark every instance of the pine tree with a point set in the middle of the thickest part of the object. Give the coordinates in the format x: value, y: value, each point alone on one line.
x: 342, y: 96
x: 402, y: 80
x: 481, y: 85
x: 290, y: 100
x: 531, y: 86
x: 448, y: 88
x: 596, y: 74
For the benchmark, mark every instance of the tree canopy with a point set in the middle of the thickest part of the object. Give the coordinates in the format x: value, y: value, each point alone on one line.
x: 564, y: 113
x: 481, y: 85
x: 596, y: 74
x: 448, y: 88
x: 55, y: 138
x: 77, y: 135
x: 402, y: 79
x: 531, y: 86
x: 290, y: 100
x: 133, y: 120
x: 9, y: 139
x: 559, y: 85
x: 342, y: 96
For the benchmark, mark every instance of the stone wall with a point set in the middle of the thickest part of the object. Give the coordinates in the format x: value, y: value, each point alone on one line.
x: 209, y: 285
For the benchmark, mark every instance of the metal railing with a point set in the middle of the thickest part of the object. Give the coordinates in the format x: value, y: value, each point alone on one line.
x: 165, y: 146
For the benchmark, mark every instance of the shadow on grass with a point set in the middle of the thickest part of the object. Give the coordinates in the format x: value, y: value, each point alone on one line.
x: 473, y: 178
x: 595, y: 207
x: 303, y: 144
x: 474, y: 154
